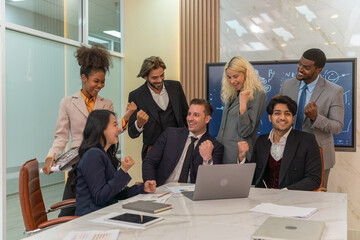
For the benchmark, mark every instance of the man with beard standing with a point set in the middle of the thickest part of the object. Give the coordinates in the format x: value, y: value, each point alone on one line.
x: 320, y: 104
x: 160, y: 104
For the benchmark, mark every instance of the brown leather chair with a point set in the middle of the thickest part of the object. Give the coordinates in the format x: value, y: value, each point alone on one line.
x: 322, y: 184
x: 32, y: 203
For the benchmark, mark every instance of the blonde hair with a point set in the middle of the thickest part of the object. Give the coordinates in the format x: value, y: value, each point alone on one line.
x: 252, y: 80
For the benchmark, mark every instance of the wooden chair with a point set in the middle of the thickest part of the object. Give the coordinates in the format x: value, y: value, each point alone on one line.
x: 322, y: 184
x: 32, y: 203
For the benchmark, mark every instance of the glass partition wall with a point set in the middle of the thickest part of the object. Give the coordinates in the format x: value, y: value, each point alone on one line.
x: 38, y: 41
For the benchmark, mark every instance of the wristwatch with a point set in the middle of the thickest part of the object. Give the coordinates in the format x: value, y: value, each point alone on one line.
x: 209, y: 161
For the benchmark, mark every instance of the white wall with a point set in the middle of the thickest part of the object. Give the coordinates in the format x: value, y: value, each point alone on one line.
x: 151, y: 28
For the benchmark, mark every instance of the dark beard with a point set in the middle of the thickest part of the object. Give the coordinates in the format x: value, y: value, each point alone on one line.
x: 151, y: 84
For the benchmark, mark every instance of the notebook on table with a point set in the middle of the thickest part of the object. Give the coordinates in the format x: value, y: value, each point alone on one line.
x: 222, y: 181
x: 147, y: 206
x: 277, y: 228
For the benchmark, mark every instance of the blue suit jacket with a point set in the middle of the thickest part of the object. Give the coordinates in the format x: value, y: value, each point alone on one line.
x: 99, y: 184
x: 163, y: 157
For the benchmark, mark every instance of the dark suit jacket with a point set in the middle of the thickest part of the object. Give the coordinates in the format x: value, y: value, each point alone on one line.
x: 300, y: 167
x: 161, y: 160
x: 144, y: 101
x: 99, y: 184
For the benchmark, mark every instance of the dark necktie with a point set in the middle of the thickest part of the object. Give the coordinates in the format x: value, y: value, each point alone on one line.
x: 187, y: 162
x: 300, y: 112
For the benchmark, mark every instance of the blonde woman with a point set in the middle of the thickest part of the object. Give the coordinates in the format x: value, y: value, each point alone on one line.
x: 245, y: 102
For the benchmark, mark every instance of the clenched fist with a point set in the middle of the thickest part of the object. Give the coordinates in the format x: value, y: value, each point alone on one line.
x: 126, y: 163
x: 311, y: 111
x: 150, y: 186
x: 244, y: 97
x: 205, y: 149
x: 243, y: 147
x: 130, y: 109
x: 141, y: 118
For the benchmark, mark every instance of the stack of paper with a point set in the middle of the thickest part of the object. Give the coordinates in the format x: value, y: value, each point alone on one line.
x: 283, y: 211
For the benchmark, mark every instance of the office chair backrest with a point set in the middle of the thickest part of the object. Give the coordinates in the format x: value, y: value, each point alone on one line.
x: 31, y: 200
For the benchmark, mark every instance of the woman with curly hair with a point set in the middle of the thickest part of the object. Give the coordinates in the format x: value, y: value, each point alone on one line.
x: 74, y: 110
x: 245, y: 101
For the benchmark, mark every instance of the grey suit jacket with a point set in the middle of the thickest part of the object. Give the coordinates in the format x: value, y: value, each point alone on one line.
x: 235, y: 127
x: 330, y: 105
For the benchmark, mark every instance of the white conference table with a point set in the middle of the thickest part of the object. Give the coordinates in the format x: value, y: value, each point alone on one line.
x: 216, y: 219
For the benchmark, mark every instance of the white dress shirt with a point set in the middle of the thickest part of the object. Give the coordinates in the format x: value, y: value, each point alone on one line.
x: 161, y: 99
x: 277, y: 149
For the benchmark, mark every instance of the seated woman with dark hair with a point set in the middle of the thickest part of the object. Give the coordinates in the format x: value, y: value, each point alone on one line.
x: 99, y: 183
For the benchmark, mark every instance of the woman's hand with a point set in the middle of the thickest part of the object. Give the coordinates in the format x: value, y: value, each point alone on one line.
x: 243, y: 148
x: 126, y: 163
x: 244, y: 97
x: 47, y: 166
x: 150, y: 186
x: 130, y: 109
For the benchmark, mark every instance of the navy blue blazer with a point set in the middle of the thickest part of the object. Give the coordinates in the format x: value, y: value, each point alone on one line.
x: 144, y: 101
x: 99, y: 184
x: 300, y: 167
x: 163, y: 157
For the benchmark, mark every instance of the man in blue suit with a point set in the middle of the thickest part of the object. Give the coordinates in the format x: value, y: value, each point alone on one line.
x: 178, y: 152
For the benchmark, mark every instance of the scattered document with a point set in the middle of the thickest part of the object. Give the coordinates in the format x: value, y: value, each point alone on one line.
x: 90, y: 235
x: 181, y: 189
x: 283, y: 211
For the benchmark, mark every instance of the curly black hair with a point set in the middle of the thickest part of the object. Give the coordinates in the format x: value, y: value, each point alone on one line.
x: 95, y: 58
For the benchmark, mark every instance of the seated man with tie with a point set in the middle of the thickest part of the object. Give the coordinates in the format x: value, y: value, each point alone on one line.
x: 285, y: 158
x: 178, y: 152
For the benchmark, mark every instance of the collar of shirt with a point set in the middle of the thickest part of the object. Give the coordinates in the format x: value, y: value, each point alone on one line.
x: 89, y: 102
x: 277, y: 149
x: 198, y: 136
x: 282, y: 139
x: 311, y: 86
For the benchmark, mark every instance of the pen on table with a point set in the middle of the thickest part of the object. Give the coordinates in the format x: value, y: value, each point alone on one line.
x: 264, y: 183
x: 163, y: 195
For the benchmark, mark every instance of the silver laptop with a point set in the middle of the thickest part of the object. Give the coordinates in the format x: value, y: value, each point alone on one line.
x: 277, y: 228
x: 222, y: 181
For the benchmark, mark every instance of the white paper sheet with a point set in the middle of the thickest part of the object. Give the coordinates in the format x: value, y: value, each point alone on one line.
x: 181, y: 189
x: 283, y: 211
x: 91, y: 235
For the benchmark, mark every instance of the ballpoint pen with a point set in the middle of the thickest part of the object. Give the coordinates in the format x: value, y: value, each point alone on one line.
x: 163, y: 195
x: 265, y: 183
